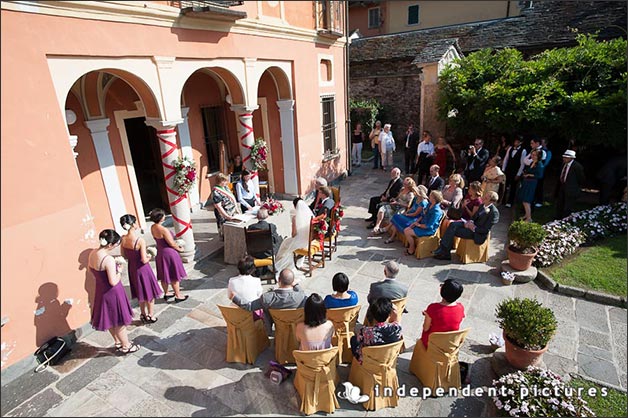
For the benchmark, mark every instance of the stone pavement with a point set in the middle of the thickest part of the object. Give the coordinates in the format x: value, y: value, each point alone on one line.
x: 180, y: 370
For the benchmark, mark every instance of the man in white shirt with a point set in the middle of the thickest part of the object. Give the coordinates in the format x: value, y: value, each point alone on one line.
x: 513, y: 168
x: 424, y: 156
x: 245, y: 285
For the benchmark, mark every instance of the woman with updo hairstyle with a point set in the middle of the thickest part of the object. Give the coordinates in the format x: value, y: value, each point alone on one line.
x: 142, y: 280
x: 111, y: 310
x: 170, y: 270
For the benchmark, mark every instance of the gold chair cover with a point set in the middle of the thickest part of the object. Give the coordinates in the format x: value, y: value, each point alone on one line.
x: 344, y: 320
x: 286, y: 342
x: 470, y: 252
x: 245, y: 338
x: 316, y: 380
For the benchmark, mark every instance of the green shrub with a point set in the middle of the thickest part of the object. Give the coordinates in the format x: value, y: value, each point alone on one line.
x: 525, y: 237
x: 526, y: 322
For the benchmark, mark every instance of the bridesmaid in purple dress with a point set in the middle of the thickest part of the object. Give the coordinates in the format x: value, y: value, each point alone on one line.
x: 142, y: 280
x: 170, y: 268
x: 111, y: 311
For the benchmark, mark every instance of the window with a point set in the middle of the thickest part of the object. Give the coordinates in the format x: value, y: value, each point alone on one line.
x: 374, y: 21
x: 329, y: 124
x: 213, y: 132
x: 326, y: 70
x: 413, y: 15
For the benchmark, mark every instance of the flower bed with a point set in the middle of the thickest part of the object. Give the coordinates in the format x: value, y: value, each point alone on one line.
x: 538, y: 392
x: 566, y: 235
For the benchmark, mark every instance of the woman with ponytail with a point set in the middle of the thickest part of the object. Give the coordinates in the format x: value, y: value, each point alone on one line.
x: 111, y: 311
x: 142, y: 280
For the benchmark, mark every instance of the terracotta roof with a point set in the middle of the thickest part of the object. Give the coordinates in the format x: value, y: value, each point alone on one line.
x: 548, y: 24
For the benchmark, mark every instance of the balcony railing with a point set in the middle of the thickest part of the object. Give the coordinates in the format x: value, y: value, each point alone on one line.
x: 330, y: 15
x: 210, y: 9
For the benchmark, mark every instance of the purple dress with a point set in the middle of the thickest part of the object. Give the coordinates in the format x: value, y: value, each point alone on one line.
x: 111, y: 305
x: 169, y: 265
x: 142, y: 280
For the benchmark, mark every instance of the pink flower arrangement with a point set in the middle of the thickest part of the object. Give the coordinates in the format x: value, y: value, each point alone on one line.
x: 185, y: 175
x: 273, y: 206
x: 259, y: 154
x: 320, y: 228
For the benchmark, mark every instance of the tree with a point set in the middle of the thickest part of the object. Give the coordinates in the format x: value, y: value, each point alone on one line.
x: 364, y: 111
x: 571, y: 93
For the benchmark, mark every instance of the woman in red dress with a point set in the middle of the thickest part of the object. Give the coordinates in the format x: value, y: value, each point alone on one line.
x: 445, y: 315
x: 441, y: 148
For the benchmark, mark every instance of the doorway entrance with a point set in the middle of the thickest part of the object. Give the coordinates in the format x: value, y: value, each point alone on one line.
x: 146, y: 162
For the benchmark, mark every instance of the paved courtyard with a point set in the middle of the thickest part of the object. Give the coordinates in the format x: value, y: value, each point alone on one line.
x: 180, y: 370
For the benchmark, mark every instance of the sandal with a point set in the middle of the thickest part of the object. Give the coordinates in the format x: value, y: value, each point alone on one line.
x: 150, y: 319
x: 389, y: 241
x: 118, y: 346
x: 132, y: 349
x: 410, y: 253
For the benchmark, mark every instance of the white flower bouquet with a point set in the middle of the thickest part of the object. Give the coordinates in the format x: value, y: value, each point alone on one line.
x: 185, y: 174
x: 120, y: 263
x: 152, y: 251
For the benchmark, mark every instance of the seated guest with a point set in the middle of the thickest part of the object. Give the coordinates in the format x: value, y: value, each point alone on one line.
x: 400, y: 204
x: 476, y: 229
x: 287, y: 296
x: 473, y: 201
x: 246, y: 286
x: 445, y: 315
x: 389, y: 287
x: 428, y: 224
x: 342, y: 297
x: 315, y: 332
x: 247, y: 194
x: 225, y: 204
x: 452, y: 193
x: 326, y: 204
x: 385, y: 331
x: 320, y: 182
x: 435, y: 181
x: 391, y: 192
x: 401, y: 221
x: 263, y: 224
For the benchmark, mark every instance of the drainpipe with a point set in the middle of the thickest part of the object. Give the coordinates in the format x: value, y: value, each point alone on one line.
x: 346, y: 77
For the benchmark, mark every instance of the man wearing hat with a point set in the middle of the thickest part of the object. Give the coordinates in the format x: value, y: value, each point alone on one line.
x: 569, y: 183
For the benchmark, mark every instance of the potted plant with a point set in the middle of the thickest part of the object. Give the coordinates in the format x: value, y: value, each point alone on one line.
x: 528, y: 327
x: 525, y: 239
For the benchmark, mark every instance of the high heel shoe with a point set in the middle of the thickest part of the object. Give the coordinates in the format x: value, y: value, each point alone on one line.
x: 143, y: 318
x: 149, y: 319
x: 177, y: 300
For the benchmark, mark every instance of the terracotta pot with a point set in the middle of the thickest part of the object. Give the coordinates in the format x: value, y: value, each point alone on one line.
x: 519, y: 261
x: 521, y: 358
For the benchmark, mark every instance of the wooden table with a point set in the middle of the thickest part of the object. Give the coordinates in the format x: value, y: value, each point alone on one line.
x: 235, y: 242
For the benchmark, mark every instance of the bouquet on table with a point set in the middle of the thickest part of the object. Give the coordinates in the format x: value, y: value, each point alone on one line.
x: 185, y: 174
x: 259, y: 154
x: 273, y: 206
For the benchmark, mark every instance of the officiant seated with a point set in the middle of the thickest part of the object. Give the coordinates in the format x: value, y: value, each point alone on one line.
x: 248, y: 195
x: 263, y: 224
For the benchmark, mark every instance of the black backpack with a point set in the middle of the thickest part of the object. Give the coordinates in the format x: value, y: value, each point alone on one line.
x: 51, y: 352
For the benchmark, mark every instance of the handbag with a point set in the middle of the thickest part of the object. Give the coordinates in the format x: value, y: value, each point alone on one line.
x: 50, y: 353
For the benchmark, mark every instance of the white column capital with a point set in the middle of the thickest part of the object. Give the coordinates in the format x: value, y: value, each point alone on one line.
x: 249, y: 62
x: 163, y: 62
x: 163, y: 125
x: 184, y: 112
x: 239, y: 109
x: 285, y: 105
x: 97, y: 125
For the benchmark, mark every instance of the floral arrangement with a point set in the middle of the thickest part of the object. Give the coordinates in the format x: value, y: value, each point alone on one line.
x: 339, y: 213
x: 152, y: 251
x: 496, y: 340
x: 273, y: 206
x: 185, y: 174
x: 320, y: 228
x: 566, y: 235
x: 507, y: 277
x: 120, y: 263
x: 537, y: 392
x: 259, y: 154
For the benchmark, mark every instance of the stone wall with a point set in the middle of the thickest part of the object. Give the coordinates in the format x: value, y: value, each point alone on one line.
x: 394, y: 84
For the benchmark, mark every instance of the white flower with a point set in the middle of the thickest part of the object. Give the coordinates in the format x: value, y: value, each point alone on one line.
x: 103, y: 242
x: 452, y: 113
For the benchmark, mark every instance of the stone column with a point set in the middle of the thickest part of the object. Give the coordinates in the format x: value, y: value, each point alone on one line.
x: 100, y: 137
x: 73, y: 143
x: 246, y: 138
x: 179, y: 204
x: 186, y: 149
x: 286, y: 118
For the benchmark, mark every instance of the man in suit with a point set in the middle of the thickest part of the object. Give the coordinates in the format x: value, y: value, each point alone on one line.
x: 435, y: 182
x: 287, y: 296
x: 327, y: 203
x: 391, y: 192
x: 477, y: 157
x: 513, y: 168
x: 389, y: 287
x: 263, y: 224
x: 411, y: 144
x: 477, y: 228
x: 569, y: 183
x: 320, y: 182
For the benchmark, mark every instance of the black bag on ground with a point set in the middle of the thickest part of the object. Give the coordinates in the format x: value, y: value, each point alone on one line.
x: 51, y: 352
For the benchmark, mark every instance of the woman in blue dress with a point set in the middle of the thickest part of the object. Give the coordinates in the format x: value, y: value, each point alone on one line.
x: 401, y: 221
x: 429, y: 223
x: 527, y: 187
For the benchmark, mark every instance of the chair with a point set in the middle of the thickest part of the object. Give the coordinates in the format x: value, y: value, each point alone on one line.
x: 285, y: 339
x: 260, y: 241
x: 379, y: 367
x: 331, y: 241
x: 313, y: 250
x: 400, y: 306
x: 437, y: 366
x: 470, y: 252
x: 246, y: 338
x: 344, y: 320
x: 316, y: 380
x: 335, y: 191
x: 425, y: 245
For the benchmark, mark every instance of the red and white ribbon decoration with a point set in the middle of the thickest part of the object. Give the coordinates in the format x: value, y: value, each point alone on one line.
x: 247, y: 140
